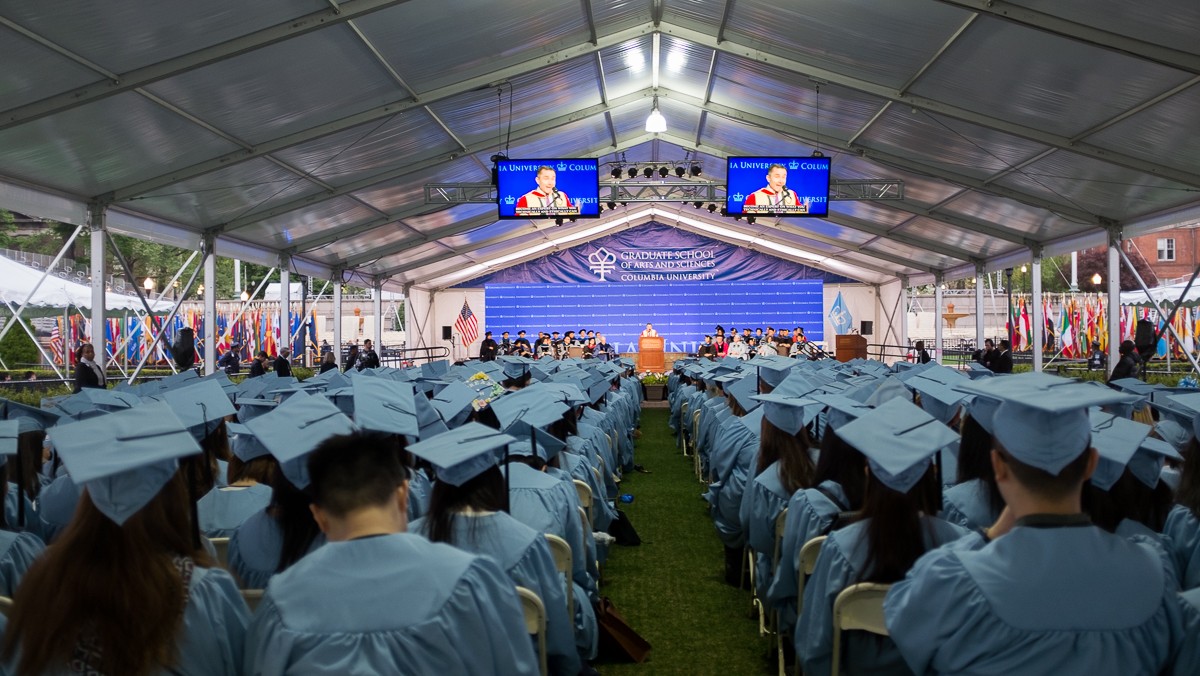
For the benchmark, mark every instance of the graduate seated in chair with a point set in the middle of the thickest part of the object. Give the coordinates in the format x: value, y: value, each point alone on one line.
x: 377, y: 599
x: 1043, y: 590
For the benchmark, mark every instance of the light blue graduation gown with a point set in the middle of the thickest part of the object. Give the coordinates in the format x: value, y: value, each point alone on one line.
x: 581, y: 470
x: 17, y: 553
x: 419, y: 489
x: 764, y: 499
x: 810, y: 514
x: 214, y: 625
x: 33, y: 521
x: 393, y: 604
x: 254, y: 550
x: 524, y: 555
x: 222, y: 510
x: 966, y: 504
x: 56, y: 505
x: 841, y: 564
x: 1182, y: 532
x: 730, y: 495
x: 1061, y: 600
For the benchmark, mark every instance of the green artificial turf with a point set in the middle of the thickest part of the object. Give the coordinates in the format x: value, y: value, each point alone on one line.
x: 671, y: 588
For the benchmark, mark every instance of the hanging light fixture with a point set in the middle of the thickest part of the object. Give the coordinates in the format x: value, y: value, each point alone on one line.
x: 1096, y: 279
x: 656, y: 123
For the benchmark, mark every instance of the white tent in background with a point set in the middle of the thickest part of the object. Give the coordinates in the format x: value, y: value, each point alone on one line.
x: 1169, y: 294
x: 17, y: 281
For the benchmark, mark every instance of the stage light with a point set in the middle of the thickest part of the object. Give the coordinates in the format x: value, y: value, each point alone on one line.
x: 558, y: 221
x: 663, y: 171
x: 612, y: 205
x: 656, y: 123
x: 573, y: 219
x: 695, y: 170
x: 737, y: 218
x: 724, y: 211
x: 680, y: 171
x: 697, y: 204
x: 616, y: 173
x: 648, y: 172
x: 712, y: 208
x: 750, y: 220
x: 633, y: 172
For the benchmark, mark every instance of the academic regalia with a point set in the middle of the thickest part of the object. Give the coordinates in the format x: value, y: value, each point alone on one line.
x: 222, y: 510
x: 524, y: 555
x: 419, y: 488
x: 17, y: 552
x: 56, y: 505
x: 841, y: 564
x: 764, y: 499
x: 1051, y: 596
x: 732, y: 477
x: 966, y: 504
x: 390, y: 604
x: 811, y: 513
x: 254, y: 550
x: 1182, y: 532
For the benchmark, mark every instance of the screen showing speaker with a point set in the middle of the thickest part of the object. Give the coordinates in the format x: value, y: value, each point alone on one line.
x: 777, y: 186
x: 548, y: 188
x: 682, y: 312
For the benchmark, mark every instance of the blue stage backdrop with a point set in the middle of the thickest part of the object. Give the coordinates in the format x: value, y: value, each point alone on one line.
x: 682, y: 312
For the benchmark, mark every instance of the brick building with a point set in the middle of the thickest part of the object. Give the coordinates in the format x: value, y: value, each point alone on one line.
x: 1172, y: 253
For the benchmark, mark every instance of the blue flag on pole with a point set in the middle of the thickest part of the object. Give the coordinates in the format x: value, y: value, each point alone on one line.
x: 839, y: 316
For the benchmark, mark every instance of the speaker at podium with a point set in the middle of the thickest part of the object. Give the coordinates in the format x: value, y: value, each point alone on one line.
x: 650, y: 354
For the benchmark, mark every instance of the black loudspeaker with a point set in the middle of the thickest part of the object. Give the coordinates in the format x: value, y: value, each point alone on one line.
x: 866, y: 328
x: 1143, y: 338
x: 446, y: 334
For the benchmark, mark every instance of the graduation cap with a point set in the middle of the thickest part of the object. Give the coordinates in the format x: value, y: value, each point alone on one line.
x: 252, y: 387
x: 243, y: 443
x: 30, y: 418
x: 1116, y: 440
x: 536, y: 405
x: 531, y: 440
x: 788, y: 413
x: 1173, y: 433
x: 1146, y: 465
x: 200, y: 406
x: 1043, y: 420
x: 983, y: 410
x: 743, y: 390
x: 385, y: 406
x: 886, y: 390
x: 1134, y: 386
x: 571, y: 394
x: 453, y: 403
x: 429, y: 423
x: 753, y: 420
x: 775, y: 370
x: 841, y: 409
x: 90, y: 402
x: 125, y: 458
x: 343, y: 398
x: 463, y: 453
x: 249, y: 409
x: 10, y: 431
x: 899, y: 441
x: 295, y: 428
x: 1191, y: 403
x: 937, y: 398
x: 434, y: 369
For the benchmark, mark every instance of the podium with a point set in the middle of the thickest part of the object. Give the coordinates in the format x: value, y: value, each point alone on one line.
x: 650, y: 354
x: 850, y: 346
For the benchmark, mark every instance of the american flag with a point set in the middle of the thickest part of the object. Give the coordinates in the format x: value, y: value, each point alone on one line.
x: 466, y: 324
x: 56, y: 344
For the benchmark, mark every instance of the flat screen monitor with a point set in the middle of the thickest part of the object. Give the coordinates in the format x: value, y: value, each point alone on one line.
x: 777, y: 186
x: 554, y: 188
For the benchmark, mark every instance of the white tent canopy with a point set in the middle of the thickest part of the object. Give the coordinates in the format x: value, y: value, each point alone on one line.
x: 1169, y: 294
x: 18, y: 281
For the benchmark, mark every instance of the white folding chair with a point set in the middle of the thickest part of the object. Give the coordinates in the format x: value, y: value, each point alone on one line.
x: 683, y: 436
x: 858, y: 607
x: 780, y: 523
x: 808, y: 563
x: 5, y: 606
x: 222, y: 547
x: 535, y: 623
x: 585, y: 500
x: 253, y: 597
x: 563, y: 563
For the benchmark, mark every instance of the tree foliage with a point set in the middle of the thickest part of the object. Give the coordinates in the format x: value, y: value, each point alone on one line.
x: 16, y: 348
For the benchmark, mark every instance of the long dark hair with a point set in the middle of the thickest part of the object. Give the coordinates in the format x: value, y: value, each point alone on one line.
x: 1188, y: 493
x: 22, y: 471
x: 975, y: 461
x: 289, y: 508
x: 118, y: 584
x: 1128, y: 498
x: 895, y: 533
x: 844, y: 465
x: 484, y: 492
x: 796, y: 468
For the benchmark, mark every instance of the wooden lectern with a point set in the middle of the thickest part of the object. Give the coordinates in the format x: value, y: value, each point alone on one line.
x: 650, y: 354
x: 850, y: 346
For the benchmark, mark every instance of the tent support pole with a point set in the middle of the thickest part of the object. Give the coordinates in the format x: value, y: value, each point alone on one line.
x: 1037, y: 342
x: 21, y: 308
x: 337, y: 321
x: 187, y: 288
x: 1166, y: 322
x: 210, y: 304
x: 96, y: 223
x: 38, y: 345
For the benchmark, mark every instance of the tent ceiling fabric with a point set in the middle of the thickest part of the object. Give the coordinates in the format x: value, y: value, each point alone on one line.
x: 309, y: 129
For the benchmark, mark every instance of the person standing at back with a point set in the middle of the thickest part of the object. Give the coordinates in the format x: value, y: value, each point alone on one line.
x: 283, y: 366
x: 1043, y: 591
x: 258, y: 364
x: 1127, y: 366
x: 376, y: 599
x: 369, y: 358
x: 87, y: 372
x: 1002, y: 361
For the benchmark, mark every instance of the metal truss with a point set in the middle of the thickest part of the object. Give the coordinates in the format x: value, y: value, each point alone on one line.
x: 666, y: 191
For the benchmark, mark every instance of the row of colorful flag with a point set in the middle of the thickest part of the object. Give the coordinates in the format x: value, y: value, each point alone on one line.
x: 130, y: 338
x: 1074, y: 323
